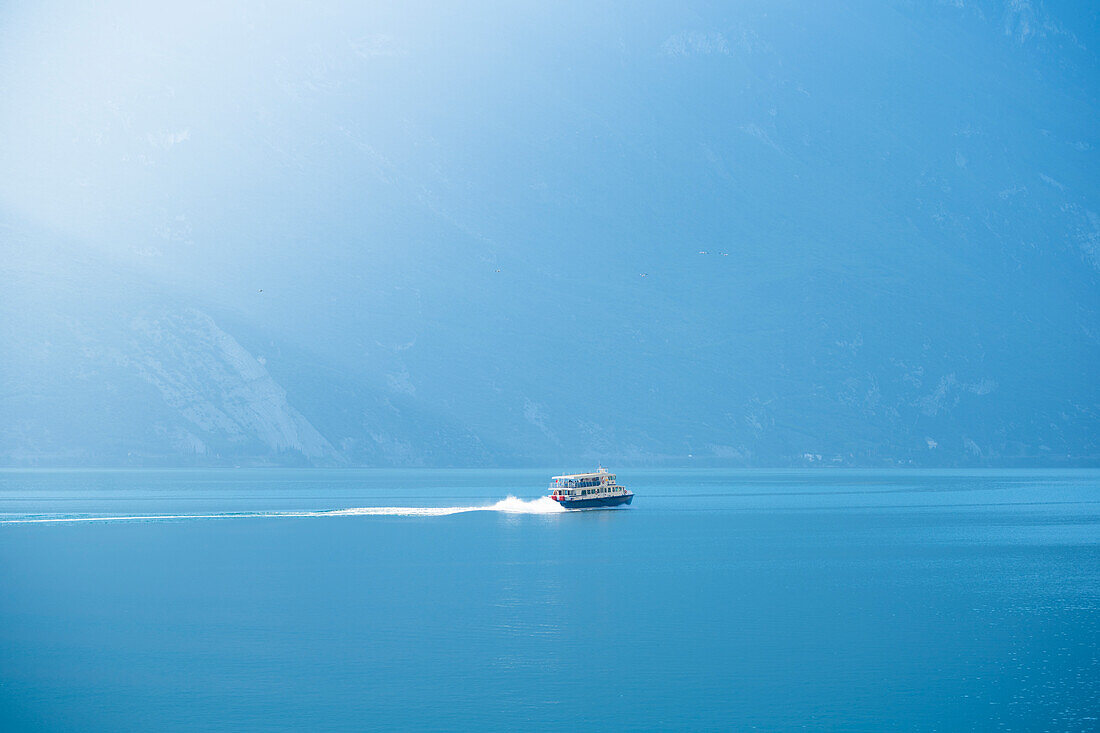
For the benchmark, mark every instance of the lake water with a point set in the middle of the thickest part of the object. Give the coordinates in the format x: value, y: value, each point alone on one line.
x: 769, y: 600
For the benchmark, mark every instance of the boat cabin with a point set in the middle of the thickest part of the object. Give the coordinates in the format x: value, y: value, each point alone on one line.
x: 585, y: 484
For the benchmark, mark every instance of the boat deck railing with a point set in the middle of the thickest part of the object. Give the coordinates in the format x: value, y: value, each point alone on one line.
x: 610, y: 491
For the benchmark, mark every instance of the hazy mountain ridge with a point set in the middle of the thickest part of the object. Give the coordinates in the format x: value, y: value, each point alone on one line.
x: 768, y: 235
x: 191, y: 393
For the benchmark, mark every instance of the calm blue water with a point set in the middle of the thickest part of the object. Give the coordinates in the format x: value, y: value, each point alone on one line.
x: 719, y: 600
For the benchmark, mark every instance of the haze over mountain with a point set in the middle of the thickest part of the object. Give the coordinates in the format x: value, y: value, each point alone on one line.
x: 763, y: 233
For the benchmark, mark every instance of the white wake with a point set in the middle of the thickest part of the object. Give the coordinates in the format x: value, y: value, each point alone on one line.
x: 510, y: 505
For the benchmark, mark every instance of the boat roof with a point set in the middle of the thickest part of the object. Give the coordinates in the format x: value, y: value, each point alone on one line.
x: 594, y: 474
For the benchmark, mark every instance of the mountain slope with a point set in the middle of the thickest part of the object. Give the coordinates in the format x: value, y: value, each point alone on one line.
x: 769, y: 234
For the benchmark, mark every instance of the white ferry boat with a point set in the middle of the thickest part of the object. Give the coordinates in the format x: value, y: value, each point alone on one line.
x: 589, y: 490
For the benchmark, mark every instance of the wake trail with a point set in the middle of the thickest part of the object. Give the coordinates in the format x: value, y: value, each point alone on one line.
x: 510, y: 505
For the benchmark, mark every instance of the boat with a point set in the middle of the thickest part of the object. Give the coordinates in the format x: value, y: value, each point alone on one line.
x: 589, y: 490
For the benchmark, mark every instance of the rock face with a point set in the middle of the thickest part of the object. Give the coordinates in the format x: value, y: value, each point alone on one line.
x: 103, y: 369
x: 226, y: 395
x: 118, y: 382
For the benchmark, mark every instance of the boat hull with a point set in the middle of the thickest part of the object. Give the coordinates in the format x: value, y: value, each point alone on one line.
x: 598, y: 502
